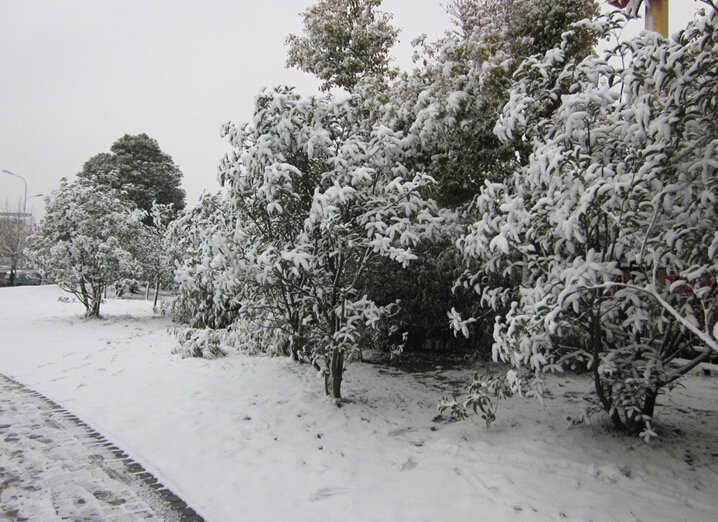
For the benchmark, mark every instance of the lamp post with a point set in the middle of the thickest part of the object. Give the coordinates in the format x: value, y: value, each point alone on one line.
x: 24, y: 199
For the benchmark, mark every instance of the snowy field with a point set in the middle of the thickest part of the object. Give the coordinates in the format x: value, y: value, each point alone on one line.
x: 253, y: 438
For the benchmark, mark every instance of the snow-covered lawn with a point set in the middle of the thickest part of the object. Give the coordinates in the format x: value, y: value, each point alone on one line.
x: 253, y: 438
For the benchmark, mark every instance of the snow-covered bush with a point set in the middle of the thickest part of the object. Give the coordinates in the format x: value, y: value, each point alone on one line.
x: 199, y: 243
x: 126, y: 286
x: 199, y: 342
x: 603, y: 247
x: 87, y: 240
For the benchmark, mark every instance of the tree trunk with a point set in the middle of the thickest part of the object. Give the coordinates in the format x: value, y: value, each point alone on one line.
x: 13, y: 272
x: 147, y: 291
x: 635, y: 424
x: 157, y: 292
x: 93, y: 311
x: 85, y: 297
x: 95, y: 296
x: 649, y: 404
x: 296, y: 345
x: 333, y: 382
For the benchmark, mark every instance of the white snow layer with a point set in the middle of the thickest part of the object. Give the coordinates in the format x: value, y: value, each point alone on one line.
x: 253, y: 438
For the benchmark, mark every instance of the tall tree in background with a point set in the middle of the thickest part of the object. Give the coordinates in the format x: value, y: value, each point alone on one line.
x: 137, y: 166
x: 345, y: 41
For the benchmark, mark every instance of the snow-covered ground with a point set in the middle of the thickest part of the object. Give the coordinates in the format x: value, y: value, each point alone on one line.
x: 253, y: 438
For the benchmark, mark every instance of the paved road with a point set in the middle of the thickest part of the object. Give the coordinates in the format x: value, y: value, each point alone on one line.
x: 55, y: 467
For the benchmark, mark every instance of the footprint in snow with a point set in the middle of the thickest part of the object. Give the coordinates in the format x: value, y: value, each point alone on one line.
x: 324, y: 493
x: 401, y: 431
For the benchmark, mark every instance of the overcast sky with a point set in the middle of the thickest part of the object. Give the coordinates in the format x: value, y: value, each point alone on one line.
x: 78, y: 74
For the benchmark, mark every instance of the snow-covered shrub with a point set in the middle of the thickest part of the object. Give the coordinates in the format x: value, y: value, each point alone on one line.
x: 604, y: 244
x: 87, y: 240
x: 199, y: 342
x: 445, y: 110
x: 199, y: 242
x: 483, y: 398
x: 126, y: 286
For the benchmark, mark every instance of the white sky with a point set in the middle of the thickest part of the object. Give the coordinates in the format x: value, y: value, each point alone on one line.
x: 78, y: 74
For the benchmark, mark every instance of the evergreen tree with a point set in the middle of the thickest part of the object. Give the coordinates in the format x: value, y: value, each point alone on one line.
x: 137, y: 166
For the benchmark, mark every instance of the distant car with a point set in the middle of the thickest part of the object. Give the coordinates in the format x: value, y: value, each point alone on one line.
x: 4, y: 279
x: 27, y: 278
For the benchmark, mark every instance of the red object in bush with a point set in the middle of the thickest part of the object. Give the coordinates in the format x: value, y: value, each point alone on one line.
x: 619, y: 3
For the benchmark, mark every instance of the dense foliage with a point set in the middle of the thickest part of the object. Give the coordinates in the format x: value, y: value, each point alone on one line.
x: 604, y: 243
x: 516, y: 181
x: 138, y: 168
x: 319, y: 199
x: 345, y: 41
x: 448, y: 106
x: 197, y: 242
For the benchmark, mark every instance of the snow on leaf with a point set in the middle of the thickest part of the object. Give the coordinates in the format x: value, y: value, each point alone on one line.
x: 499, y: 242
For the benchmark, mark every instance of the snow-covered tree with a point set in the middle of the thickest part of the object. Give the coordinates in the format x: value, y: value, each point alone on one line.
x: 319, y: 198
x: 450, y: 103
x: 86, y: 241
x: 602, y: 249
x: 345, y: 41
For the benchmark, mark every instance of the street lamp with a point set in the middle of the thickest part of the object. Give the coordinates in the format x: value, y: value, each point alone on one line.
x: 24, y: 199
